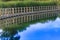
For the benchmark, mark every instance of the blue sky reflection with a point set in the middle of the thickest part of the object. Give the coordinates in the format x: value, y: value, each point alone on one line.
x: 42, y: 31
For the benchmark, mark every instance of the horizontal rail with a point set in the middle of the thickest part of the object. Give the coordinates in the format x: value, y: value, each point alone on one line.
x: 19, y: 14
x: 5, y: 11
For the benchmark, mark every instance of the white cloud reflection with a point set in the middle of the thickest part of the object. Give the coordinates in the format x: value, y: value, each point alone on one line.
x: 50, y: 24
x: 34, y: 29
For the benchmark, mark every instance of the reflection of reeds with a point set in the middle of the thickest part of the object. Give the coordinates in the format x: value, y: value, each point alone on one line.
x: 25, y: 3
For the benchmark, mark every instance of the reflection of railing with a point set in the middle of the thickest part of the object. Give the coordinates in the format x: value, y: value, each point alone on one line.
x: 25, y: 18
x: 26, y: 14
x: 36, y: 12
x: 6, y: 11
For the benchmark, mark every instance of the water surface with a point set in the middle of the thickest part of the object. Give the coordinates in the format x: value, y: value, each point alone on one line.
x: 45, y: 29
x: 49, y: 30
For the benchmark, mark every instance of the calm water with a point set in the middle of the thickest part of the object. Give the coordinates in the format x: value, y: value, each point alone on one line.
x: 47, y: 29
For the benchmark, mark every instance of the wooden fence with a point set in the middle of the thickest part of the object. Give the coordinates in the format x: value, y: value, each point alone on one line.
x: 6, y: 11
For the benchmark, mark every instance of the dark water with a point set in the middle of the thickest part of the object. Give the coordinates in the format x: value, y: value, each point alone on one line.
x: 45, y: 29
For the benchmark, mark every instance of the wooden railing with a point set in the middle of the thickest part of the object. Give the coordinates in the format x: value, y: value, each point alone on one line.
x: 6, y: 11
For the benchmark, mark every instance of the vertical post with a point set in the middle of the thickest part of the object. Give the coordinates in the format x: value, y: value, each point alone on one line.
x: 52, y: 7
x: 18, y: 9
x: 32, y: 9
x: 24, y: 9
x: 24, y: 18
x: 21, y: 9
x: 27, y: 9
x: 48, y: 7
x: 12, y: 10
x: 0, y: 11
x: 38, y: 8
x: 6, y: 11
x: 41, y: 8
x: 27, y: 18
x: 13, y: 20
x: 32, y: 17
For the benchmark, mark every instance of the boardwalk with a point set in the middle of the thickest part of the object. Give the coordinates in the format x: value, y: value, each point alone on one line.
x: 20, y: 14
x: 9, y: 17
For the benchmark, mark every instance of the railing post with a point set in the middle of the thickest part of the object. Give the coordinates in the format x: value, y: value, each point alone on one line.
x: 12, y: 10
x: 0, y: 11
x: 48, y: 8
x: 32, y: 9
x: 21, y: 9
x: 29, y: 9
x: 24, y: 9
x: 18, y: 9
x: 39, y: 8
x: 51, y: 7
x: 5, y: 11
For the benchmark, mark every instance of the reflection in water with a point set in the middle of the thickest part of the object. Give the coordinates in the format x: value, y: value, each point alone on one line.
x: 14, y: 31
x: 42, y: 31
x: 9, y: 32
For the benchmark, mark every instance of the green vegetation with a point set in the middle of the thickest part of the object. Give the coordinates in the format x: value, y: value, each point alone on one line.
x: 24, y: 3
x: 13, y: 29
x: 23, y: 26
